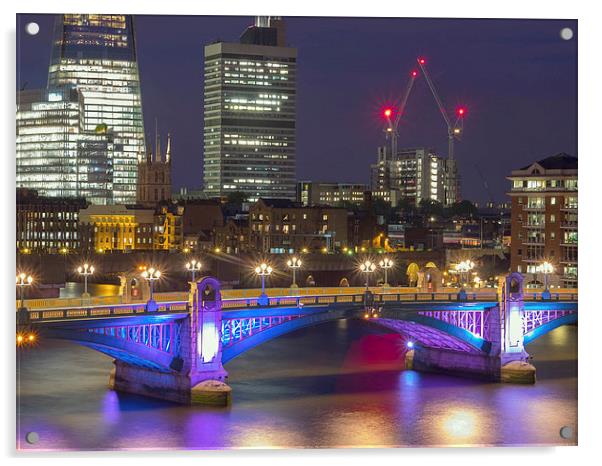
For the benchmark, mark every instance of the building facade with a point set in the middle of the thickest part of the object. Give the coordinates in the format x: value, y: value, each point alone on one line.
x: 283, y: 226
x: 117, y: 228
x: 250, y: 115
x: 96, y: 54
x: 200, y: 220
x: 169, y: 234
x: 55, y: 155
x: 47, y: 224
x: 310, y: 193
x: 233, y: 236
x: 154, y: 177
x: 416, y: 174
x: 544, y: 219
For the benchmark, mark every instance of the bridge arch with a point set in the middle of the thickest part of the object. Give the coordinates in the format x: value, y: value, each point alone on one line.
x: 541, y: 330
x: 234, y: 346
x: 150, y: 346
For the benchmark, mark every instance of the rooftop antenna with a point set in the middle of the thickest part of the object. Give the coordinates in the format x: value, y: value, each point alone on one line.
x: 157, y: 142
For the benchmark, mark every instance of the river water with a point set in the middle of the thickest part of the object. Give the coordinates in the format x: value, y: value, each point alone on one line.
x: 339, y: 384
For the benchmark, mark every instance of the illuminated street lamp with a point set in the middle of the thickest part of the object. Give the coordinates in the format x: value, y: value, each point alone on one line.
x: 386, y: 264
x: 294, y: 263
x: 86, y: 270
x: 23, y: 280
x: 151, y: 276
x: 193, y: 267
x: 263, y: 270
x: 367, y: 267
x: 463, y: 269
x: 64, y: 251
x: 546, y: 268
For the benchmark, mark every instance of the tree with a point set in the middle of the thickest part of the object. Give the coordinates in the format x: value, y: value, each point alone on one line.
x: 429, y: 208
x: 463, y: 209
x: 382, y: 207
x: 348, y: 205
x: 237, y: 197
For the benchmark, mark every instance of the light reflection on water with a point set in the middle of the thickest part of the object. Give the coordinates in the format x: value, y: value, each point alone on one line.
x: 332, y: 385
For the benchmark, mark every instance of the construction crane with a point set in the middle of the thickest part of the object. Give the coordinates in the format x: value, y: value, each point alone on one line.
x: 454, y: 131
x: 393, y: 123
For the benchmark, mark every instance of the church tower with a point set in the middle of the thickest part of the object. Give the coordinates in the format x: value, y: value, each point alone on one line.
x: 154, y: 176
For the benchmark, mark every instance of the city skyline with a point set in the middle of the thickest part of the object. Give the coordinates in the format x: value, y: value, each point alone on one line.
x: 502, y: 98
x: 83, y: 133
x: 383, y: 251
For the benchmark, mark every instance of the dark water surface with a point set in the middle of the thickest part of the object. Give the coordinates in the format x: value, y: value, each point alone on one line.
x: 339, y: 384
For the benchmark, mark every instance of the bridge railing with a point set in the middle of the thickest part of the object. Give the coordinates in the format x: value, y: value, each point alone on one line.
x: 79, y: 310
x: 400, y: 293
x: 71, y: 313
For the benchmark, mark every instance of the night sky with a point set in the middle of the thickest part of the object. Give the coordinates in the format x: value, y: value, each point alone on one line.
x: 517, y: 78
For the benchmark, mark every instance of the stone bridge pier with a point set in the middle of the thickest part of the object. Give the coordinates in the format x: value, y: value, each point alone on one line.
x: 502, y: 356
x: 196, y: 374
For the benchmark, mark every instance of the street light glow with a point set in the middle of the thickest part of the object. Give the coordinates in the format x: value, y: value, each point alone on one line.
x: 294, y: 263
x: 151, y: 274
x: 193, y: 267
x: 263, y: 269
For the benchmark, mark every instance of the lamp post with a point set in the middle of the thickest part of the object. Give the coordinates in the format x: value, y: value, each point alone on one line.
x: 294, y: 263
x: 23, y: 280
x: 463, y: 268
x: 367, y: 267
x: 263, y: 270
x: 193, y: 267
x: 151, y: 275
x: 386, y: 264
x: 86, y: 270
x: 546, y: 268
x: 64, y: 251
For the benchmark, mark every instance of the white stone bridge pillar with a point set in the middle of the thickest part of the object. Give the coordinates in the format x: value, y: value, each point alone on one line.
x: 515, y: 366
x: 207, y: 374
x: 196, y: 374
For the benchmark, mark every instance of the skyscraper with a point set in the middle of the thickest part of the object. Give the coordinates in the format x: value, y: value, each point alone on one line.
x: 250, y: 114
x: 55, y: 155
x: 96, y: 54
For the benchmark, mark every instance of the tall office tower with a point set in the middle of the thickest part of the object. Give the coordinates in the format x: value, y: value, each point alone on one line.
x: 55, y: 155
x: 416, y: 174
x: 154, y: 176
x: 96, y: 54
x: 250, y: 105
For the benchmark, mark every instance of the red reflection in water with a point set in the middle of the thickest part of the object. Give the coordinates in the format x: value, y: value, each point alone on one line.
x: 377, y: 352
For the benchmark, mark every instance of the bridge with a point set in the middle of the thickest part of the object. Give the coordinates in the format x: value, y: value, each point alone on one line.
x: 176, y: 350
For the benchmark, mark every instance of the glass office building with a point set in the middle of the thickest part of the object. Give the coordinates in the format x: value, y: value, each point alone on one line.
x: 96, y: 55
x: 55, y: 155
x: 250, y: 114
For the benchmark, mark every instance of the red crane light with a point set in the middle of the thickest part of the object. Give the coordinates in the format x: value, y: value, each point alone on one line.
x: 422, y: 61
x: 414, y: 73
x: 461, y: 111
x: 388, y: 112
